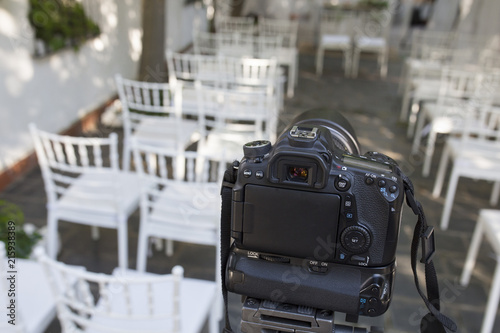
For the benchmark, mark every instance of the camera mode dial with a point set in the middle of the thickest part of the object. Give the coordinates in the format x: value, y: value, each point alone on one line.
x: 256, y: 149
x: 355, y: 239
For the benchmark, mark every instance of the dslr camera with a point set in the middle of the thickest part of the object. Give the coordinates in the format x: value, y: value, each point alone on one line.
x: 315, y: 223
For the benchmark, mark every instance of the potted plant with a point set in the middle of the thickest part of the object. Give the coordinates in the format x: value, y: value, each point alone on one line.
x: 14, y: 232
x: 59, y: 24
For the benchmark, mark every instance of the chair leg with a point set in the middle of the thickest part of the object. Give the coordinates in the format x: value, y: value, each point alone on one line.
x: 319, y: 60
x: 347, y: 63
x: 126, y: 155
x: 94, y: 232
x: 450, y: 196
x: 470, y: 261
x: 429, y: 151
x: 383, y: 64
x: 355, y: 63
x: 495, y: 193
x: 443, y: 164
x: 412, y: 119
x: 404, y: 78
x: 52, y: 239
x: 280, y: 88
x: 296, y: 70
x: 405, y: 105
x: 142, y: 248
x: 122, y: 243
x: 291, y: 80
x: 492, y: 305
x: 418, y: 133
x: 169, y: 248
x: 158, y: 243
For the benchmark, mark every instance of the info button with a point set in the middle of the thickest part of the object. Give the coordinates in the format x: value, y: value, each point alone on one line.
x: 342, y: 183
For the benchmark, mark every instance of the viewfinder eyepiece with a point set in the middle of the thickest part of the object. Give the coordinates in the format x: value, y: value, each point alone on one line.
x: 298, y: 174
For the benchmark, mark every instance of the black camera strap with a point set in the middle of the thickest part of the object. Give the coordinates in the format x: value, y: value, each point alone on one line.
x: 433, y: 322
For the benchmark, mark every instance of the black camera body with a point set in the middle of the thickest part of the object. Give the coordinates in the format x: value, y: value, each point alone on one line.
x: 313, y: 222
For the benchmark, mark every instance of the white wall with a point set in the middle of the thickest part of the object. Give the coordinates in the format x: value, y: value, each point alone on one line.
x: 180, y: 22
x: 57, y: 90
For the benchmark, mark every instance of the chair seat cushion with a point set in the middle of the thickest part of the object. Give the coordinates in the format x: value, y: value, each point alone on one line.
x: 474, y: 149
x: 424, y: 64
x: 340, y: 41
x: 369, y: 43
x: 426, y: 89
x: 87, y: 193
x: 166, y: 132
x: 191, y: 204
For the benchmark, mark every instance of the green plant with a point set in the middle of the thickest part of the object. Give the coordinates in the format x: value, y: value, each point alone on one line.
x: 373, y: 4
x: 12, y: 231
x: 61, y: 23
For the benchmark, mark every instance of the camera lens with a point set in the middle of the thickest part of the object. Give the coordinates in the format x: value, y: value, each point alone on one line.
x: 298, y: 173
x: 342, y: 132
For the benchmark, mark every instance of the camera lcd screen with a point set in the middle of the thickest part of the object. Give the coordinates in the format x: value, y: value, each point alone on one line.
x: 365, y: 163
x: 290, y: 222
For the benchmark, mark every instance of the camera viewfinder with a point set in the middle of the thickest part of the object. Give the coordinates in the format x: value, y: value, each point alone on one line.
x: 298, y: 174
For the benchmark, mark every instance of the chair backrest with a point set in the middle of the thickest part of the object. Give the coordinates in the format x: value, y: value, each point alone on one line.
x: 181, y: 187
x: 234, y: 24
x: 162, y: 165
x: 227, y: 44
x: 449, y: 47
x: 481, y: 125
x: 251, y: 72
x: 145, y: 101
x: 248, y: 111
x: 489, y: 58
x: 236, y: 45
x: 64, y: 158
x: 465, y: 95
x: 288, y: 29
x: 98, y: 302
x: 373, y: 24
x: 186, y: 68
x: 338, y: 22
x: 423, y: 41
x: 457, y: 83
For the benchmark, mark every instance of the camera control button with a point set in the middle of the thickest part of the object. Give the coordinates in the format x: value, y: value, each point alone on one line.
x: 318, y: 269
x: 381, y: 183
x: 369, y: 180
x: 342, y: 183
x: 393, y: 189
x: 259, y: 174
x: 247, y: 173
x: 355, y: 239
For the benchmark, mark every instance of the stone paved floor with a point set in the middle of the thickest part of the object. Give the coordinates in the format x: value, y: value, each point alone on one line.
x: 372, y: 107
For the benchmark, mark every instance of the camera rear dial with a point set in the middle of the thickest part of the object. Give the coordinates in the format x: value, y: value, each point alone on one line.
x: 355, y: 239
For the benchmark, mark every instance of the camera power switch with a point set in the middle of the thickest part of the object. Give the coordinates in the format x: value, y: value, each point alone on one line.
x: 318, y: 268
